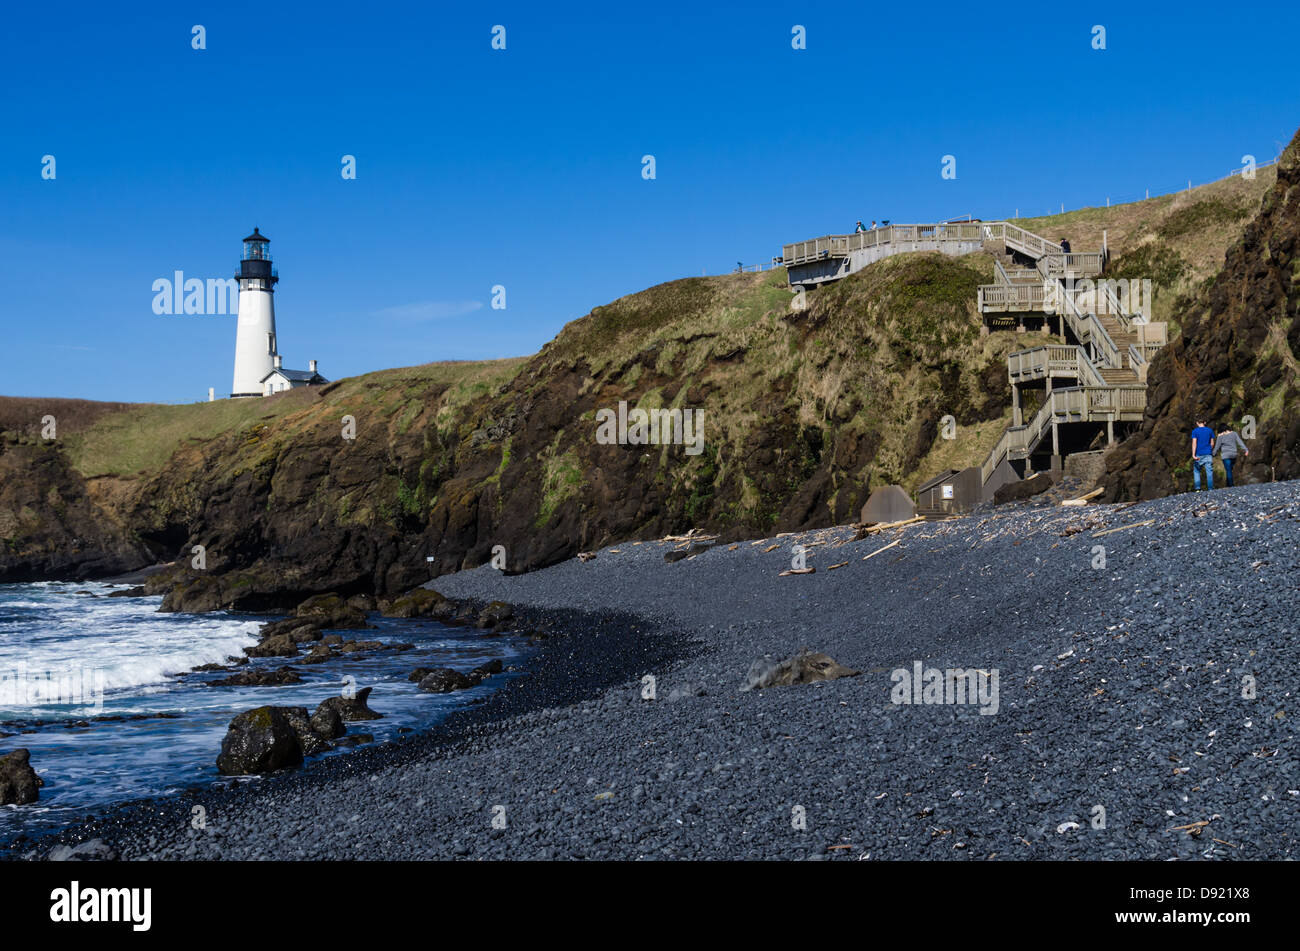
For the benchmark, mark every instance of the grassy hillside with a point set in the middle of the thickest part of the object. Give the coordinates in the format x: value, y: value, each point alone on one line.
x: 804, y: 412
x: 137, y: 440
x: 1176, y: 240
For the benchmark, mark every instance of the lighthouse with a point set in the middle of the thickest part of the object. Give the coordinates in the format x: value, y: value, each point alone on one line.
x: 258, y: 369
x: 255, y: 349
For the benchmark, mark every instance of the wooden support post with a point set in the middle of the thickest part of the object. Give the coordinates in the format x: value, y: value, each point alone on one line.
x: 1110, y: 430
x: 1056, y: 442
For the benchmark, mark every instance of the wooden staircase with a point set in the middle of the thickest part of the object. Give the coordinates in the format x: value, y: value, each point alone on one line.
x: 1093, y: 382
x: 1119, y: 377
x: 1103, y: 364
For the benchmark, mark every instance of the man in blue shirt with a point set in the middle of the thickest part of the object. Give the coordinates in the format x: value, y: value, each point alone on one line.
x: 1202, y: 455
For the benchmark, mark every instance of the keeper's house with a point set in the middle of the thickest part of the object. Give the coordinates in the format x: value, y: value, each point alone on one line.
x: 280, y: 379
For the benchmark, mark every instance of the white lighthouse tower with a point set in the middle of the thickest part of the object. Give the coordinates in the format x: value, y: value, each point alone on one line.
x: 255, y: 347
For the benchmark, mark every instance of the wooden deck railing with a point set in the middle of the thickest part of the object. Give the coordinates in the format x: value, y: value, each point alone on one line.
x: 1023, y: 275
x: 841, y: 245
x: 1080, y: 263
x: 1051, y: 260
x: 1115, y: 308
x: 1074, y: 404
x: 1052, y: 360
x: 1011, y: 296
x: 1021, y: 240
x: 1088, y: 330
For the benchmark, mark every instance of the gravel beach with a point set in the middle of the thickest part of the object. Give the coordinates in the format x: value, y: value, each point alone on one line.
x: 1125, y: 681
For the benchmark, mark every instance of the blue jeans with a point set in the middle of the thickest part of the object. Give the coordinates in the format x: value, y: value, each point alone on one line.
x: 1227, y: 467
x: 1206, y: 463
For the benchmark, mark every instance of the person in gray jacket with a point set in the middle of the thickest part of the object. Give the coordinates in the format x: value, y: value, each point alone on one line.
x: 1227, y: 446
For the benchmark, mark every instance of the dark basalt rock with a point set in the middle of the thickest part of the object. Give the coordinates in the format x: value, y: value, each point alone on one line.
x: 260, y: 678
x: 320, y: 653
x: 327, y: 722
x: 260, y: 740
x: 483, y: 671
x: 19, y: 784
x: 65, y: 532
x: 496, y: 615
x: 445, y: 680
x: 136, y: 592
x: 309, y: 738
x: 352, y: 647
x: 206, y: 590
x: 352, y: 708
x: 1221, y: 366
x: 419, y: 603
x: 1023, y: 489
x: 296, y: 629
x: 331, y: 611
x: 277, y: 645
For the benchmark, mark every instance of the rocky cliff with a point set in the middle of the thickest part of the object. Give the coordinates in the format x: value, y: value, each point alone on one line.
x: 376, y: 483
x: 1235, y: 358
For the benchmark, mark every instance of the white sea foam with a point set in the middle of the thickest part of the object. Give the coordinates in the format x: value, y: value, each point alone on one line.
x: 118, y: 645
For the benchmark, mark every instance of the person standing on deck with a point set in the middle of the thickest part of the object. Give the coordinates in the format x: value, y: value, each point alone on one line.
x: 1228, y: 444
x: 1202, y: 455
x: 860, y: 228
x: 1065, y: 245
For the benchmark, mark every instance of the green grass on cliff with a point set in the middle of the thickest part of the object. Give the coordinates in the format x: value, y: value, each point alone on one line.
x: 876, y: 360
x: 139, y: 439
x: 861, y: 357
x: 142, y: 438
x: 1177, y: 240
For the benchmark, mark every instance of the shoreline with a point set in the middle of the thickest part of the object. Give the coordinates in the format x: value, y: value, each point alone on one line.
x: 1115, y: 692
x: 546, y: 678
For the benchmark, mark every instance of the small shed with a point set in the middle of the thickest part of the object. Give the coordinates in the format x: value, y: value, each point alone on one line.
x: 951, y: 492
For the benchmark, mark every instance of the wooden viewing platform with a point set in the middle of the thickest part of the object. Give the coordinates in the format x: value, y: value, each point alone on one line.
x: 836, y: 256
x: 1091, y: 384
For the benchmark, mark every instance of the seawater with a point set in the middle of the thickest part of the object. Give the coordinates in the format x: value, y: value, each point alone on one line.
x: 84, y: 677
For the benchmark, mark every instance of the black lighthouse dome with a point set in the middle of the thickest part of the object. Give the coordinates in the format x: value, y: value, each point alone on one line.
x: 256, y: 263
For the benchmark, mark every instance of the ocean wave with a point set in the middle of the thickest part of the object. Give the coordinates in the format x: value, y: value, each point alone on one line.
x: 60, y: 659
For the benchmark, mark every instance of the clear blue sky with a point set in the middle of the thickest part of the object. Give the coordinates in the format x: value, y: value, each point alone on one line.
x: 523, y: 167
